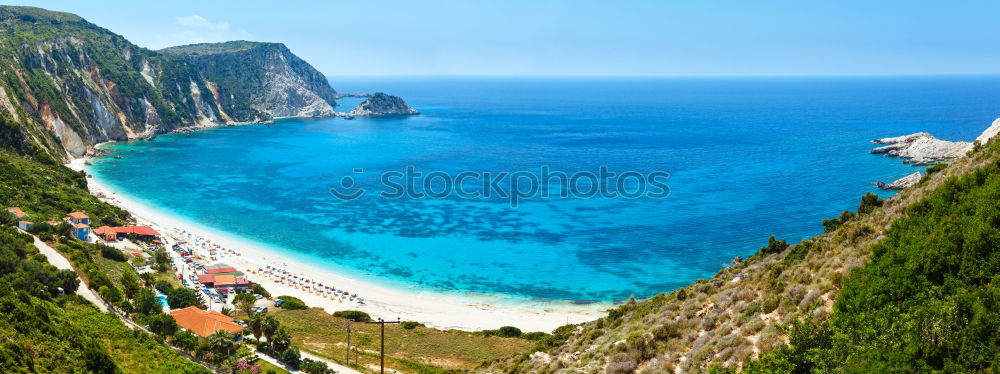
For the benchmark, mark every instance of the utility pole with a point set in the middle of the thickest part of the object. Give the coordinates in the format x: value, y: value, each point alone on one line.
x: 348, y: 343
x: 382, y: 350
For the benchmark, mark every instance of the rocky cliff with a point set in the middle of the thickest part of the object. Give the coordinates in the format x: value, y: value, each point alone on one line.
x: 69, y: 84
x: 380, y: 104
x: 265, y: 77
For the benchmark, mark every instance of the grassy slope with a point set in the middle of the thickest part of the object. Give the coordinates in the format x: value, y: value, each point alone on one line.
x: 44, y: 332
x: 927, y: 301
x: 47, y: 190
x: 749, y: 309
x: 421, y: 349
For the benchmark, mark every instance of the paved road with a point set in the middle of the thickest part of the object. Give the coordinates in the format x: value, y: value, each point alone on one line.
x: 61, y: 262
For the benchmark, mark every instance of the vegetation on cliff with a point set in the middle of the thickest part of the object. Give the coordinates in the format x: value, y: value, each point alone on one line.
x: 900, y: 285
x: 69, y: 84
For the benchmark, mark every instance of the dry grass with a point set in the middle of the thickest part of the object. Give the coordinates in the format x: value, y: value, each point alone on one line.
x: 742, y: 312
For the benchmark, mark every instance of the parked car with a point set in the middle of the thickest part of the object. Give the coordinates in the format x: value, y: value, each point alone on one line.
x: 277, y: 303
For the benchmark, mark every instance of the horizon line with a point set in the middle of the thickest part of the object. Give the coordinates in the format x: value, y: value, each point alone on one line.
x: 656, y: 76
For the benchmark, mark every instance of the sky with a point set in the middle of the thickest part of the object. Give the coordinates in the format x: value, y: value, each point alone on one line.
x: 582, y: 37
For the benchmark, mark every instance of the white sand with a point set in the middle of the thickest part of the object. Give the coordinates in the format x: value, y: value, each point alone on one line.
x: 439, y: 310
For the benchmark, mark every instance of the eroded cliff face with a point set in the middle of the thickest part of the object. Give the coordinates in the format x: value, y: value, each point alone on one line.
x: 266, y: 77
x: 68, y: 84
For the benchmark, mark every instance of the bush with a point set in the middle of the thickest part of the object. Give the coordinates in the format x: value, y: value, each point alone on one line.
x: 162, y: 324
x: 353, y: 315
x: 258, y: 289
x: 111, y: 253
x: 292, y: 303
x: 314, y: 367
x: 183, y: 298
x: 774, y: 246
x: 505, y: 331
x: 410, y: 325
x: 869, y: 202
x: 7, y: 218
x: 291, y: 357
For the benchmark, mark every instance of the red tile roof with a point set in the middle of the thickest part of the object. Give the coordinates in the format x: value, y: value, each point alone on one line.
x: 206, y: 278
x: 81, y: 225
x: 107, y: 233
x: 18, y: 212
x: 221, y: 270
x: 78, y: 215
x: 138, y: 230
x: 204, y: 323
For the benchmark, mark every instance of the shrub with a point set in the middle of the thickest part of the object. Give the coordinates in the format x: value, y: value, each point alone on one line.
x: 292, y: 303
x: 162, y: 324
x: 353, y: 315
x: 410, y: 325
x: 509, y: 332
x: 869, y: 202
x: 774, y: 246
x: 111, y: 253
x: 291, y: 357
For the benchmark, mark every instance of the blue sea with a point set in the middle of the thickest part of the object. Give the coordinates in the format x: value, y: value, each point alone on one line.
x: 747, y: 158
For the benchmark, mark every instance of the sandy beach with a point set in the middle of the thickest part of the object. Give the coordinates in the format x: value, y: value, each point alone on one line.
x: 439, y: 310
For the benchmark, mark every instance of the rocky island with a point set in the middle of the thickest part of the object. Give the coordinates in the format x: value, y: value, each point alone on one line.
x: 381, y: 104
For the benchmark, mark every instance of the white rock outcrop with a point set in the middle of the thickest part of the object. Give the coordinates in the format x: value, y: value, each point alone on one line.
x: 901, y: 183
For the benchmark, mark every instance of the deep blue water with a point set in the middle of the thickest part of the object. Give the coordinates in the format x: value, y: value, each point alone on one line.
x: 747, y: 157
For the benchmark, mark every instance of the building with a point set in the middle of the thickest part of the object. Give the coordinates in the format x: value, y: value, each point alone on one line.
x: 24, y: 225
x: 106, y: 233
x: 77, y: 218
x: 204, y: 323
x: 142, y: 232
x: 81, y: 231
x: 18, y: 213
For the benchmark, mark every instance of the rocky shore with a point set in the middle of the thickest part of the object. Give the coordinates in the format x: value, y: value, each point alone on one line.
x: 921, y: 148
x: 901, y: 183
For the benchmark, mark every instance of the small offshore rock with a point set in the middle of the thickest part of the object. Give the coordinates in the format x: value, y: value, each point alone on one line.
x: 381, y: 104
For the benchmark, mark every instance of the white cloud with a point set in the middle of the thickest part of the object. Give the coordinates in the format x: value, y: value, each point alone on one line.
x: 198, y: 29
x: 198, y: 22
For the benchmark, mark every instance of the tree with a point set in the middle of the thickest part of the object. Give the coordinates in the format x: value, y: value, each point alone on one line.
x: 256, y: 324
x: 147, y: 279
x: 314, y: 367
x: 270, y: 326
x: 7, y: 218
x: 183, y: 297
x: 222, y: 343
x: 68, y: 281
x: 110, y: 294
x: 227, y: 311
x: 130, y: 283
x: 282, y: 340
x: 291, y: 357
x: 244, y: 302
x: 146, y: 302
x: 162, y: 324
x: 185, y: 340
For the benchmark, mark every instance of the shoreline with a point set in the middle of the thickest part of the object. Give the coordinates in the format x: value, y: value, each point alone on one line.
x: 468, y: 312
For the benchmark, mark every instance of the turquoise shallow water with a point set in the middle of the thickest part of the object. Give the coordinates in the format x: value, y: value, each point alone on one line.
x: 747, y: 158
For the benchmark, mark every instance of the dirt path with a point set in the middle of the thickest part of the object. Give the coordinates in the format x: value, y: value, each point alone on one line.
x: 61, y: 262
